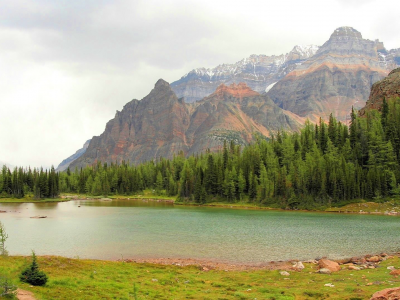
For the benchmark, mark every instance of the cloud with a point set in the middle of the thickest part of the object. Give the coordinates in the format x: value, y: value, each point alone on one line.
x: 67, y: 66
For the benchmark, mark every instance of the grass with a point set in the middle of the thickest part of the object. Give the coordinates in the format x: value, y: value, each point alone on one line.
x: 30, y: 200
x: 391, y: 205
x: 95, y: 279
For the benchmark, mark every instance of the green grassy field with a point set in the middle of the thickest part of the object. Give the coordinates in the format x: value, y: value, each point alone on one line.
x: 95, y: 279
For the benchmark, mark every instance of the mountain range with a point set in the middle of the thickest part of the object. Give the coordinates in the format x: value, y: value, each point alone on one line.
x: 258, y: 95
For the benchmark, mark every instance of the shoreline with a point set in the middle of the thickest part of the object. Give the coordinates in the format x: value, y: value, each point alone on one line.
x: 367, y: 261
x: 347, y: 209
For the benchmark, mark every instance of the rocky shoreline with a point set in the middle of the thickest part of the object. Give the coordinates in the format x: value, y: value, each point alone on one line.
x: 325, y: 265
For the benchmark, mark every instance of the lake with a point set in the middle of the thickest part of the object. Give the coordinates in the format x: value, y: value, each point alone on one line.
x: 139, y: 229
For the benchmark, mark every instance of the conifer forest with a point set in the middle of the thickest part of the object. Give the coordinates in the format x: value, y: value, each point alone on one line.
x: 324, y: 164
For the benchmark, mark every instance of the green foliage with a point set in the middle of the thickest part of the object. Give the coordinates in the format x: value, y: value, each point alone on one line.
x: 3, y: 238
x: 320, y: 166
x: 32, y: 274
x: 7, y: 288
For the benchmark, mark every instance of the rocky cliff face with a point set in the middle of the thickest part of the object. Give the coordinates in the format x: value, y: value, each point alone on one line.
x: 388, y: 88
x: 143, y: 130
x: 66, y: 162
x: 259, y: 72
x: 336, y: 78
x: 161, y: 125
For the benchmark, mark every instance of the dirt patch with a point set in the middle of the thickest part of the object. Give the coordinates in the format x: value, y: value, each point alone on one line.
x: 206, y: 265
x: 25, y: 295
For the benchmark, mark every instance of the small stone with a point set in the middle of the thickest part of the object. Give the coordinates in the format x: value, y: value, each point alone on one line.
x: 311, y: 261
x: 325, y: 271
x: 298, y: 265
x: 374, y: 259
x: 395, y: 272
x: 329, y: 264
x: 386, y: 294
x: 391, y: 268
x: 154, y: 280
x: 329, y: 284
x: 284, y: 273
x: 352, y: 267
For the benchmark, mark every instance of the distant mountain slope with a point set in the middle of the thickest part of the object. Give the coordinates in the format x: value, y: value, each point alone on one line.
x: 259, y: 72
x: 66, y: 162
x: 161, y: 125
x: 336, y: 78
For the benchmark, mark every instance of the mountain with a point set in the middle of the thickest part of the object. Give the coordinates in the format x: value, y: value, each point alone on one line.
x: 388, y: 88
x: 257, y: 95
x: 161, y: 124
x: 259, y: 72
x: 336, y: 78
x: 66, y: 162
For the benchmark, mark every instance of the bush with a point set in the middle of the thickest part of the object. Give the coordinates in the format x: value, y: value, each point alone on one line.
x: 32, y: 274
x: 7, y: 289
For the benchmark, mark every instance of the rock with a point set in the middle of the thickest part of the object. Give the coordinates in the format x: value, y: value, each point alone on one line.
x: 355, y: 268
x: 387, y: 294
x: 324, y: 271
x: 329, y: 264
x: 284, y: 273
x: 154, y: 280
x: 386, y: 88
x: 395, y: 272
x: 298, y: 265
x: 259, y: 72
x: 329, y: 284
x: 337, y: 77
x: 391, y: 268
x: 205, y: 269
x: 161, y: 125
x: 374, y: 259
x: 358, y: 260
x: 311, y: 261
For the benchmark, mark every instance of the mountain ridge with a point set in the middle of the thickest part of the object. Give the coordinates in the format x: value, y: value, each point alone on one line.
x: 162, y: 125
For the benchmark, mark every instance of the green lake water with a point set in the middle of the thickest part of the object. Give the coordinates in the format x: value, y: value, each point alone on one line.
x: 138, y: 229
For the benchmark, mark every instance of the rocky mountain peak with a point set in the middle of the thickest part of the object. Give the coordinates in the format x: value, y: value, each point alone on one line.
x: 239, y: 90
x: 387, y: 88
x: 346, y: 31
x: 394, y: 71
x: 161, y: 83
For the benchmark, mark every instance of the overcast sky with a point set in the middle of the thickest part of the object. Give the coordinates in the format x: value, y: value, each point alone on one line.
x: 66, y: 66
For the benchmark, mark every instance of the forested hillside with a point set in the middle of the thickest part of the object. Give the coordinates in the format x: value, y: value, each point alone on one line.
x: 323, y: 164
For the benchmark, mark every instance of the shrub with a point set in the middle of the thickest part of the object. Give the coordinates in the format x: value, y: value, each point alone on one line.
x: 7, y: 289
x: 3, y: 238
x: 32, y: 274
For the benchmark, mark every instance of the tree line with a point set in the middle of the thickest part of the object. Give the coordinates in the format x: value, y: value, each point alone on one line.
x: 324, y: 164
x: 20, y: 182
